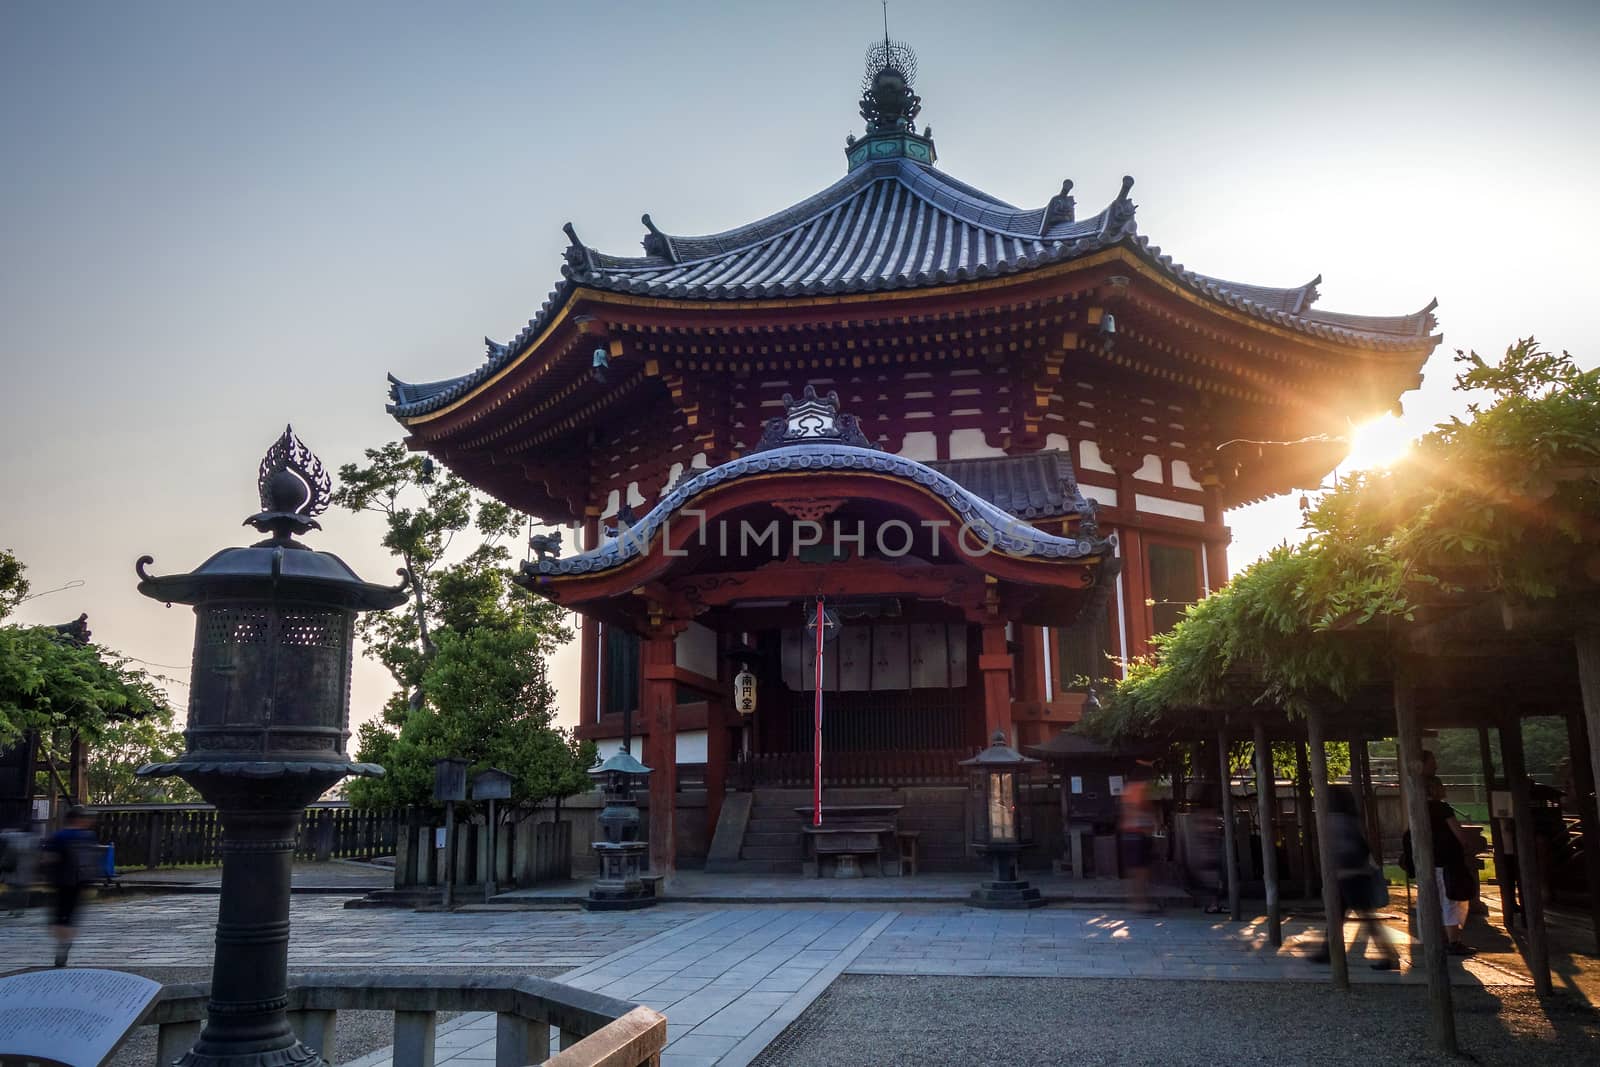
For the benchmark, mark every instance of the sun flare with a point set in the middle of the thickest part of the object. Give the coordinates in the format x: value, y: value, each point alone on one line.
x: 1379, y: 442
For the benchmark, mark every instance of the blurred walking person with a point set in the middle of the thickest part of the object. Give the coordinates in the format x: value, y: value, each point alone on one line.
x: 1362, y: 886
x: 70, y: 855
x: 19, y: 852
x: 1136, y: 822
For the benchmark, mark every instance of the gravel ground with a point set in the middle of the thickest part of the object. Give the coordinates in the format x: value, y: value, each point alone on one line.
x: 884, y: 1020
x: 357, y: 1032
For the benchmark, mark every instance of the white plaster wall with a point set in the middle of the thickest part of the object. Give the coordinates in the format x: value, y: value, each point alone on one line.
x: 1176, y: 509
x: 691, y: 746
x: 1106, y: 498
x: 1059, y: 442
x: 1182, y: 477
x: 696, y: 650
x: 969, y: 444
x: 921, y: 445
x: 1089, y: 458
x: 1149, y: 470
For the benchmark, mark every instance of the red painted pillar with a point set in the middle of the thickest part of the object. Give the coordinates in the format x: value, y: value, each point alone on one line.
x: 658, y: 705
x: 994, y: 661
x: 589, y: 672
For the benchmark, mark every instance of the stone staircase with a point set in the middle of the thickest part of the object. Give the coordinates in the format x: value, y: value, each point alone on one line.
x: 772, y: 843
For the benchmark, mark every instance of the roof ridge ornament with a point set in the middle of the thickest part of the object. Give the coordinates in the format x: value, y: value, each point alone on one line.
x: 656, y: 243
x: 812, y: 420
x: 577, y: 255
x: 1119, y: 216
x: 294, y: 486
x: 1062, y: 208
x: 890, y: 106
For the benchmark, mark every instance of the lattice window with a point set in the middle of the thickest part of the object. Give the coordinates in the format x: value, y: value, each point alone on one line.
x: 313, y: 629
x: 236, y: 626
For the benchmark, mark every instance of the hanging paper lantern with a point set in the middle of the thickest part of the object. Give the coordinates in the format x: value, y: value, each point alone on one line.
x: 744, y: 692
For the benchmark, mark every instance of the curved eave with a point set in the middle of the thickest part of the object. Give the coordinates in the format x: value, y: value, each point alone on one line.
x: 413, y: 408
x: 1020, y: 550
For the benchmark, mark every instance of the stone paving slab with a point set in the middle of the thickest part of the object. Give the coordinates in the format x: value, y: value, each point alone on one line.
x: 728, y: 982
x: 698, y: 887
x: 179, y: 931
x: 1080, y: 943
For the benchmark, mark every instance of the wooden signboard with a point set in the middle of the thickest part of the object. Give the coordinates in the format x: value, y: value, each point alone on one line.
x: 69, y: 1017
x: 930, y: 659
x: 891, y: 661
x: 855, y: 658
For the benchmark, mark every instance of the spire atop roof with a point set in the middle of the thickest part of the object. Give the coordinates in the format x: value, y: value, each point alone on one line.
x: 890, y: 106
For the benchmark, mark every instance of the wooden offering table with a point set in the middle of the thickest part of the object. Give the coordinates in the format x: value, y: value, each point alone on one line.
x: 849, y: 832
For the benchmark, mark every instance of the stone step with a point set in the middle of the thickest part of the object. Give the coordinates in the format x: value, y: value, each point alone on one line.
x: 758, y: 852
x: 748, y: 866
x: 788, y: 825
x: 790, y: 839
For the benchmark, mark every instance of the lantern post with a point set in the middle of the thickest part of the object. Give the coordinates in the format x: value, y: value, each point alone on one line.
x: 269, y: 716
x: 1002, y: 822
x: 491, y: 784
x: 622, y: 855
x: 449, y: 786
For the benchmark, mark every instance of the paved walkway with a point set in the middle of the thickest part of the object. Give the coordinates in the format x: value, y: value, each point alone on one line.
x: 698, y: 887
x: 730, y: 978
x: 179, y: 930
x: 1084, y: 943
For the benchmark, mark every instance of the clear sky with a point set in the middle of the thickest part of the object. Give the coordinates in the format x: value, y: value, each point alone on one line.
x: 216, y: 217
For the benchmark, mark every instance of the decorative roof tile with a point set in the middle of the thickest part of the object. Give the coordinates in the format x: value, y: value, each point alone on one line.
x: 1034, y: 485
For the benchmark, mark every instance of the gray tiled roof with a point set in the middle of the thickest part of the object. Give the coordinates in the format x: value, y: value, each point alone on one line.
x: 1033, y: 485
x: 893, y: 224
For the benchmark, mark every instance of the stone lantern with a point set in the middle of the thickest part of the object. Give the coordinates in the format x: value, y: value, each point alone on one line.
x: 269, y: 710
x: 622, y: 855
x: 1002, y: 822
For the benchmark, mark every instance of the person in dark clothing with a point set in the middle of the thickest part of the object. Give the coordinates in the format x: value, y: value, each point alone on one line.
x: 1361, y: 885
x: 69, y: 854
x: 1452, y: 874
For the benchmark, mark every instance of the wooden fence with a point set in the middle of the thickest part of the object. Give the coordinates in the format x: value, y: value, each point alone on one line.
x: 793, y: 769
x: 175, y: 835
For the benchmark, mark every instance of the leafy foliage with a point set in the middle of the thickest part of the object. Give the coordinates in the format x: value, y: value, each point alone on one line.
x: 125, y: 745
x: 468, y: 653
x: 1506, y: 501
x: 13, y: 585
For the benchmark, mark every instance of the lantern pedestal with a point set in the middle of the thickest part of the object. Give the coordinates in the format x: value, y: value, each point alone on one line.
x: 620, y: 886
x: 1001, y: 819
x: 1006, y: 890
x: 623, y: 857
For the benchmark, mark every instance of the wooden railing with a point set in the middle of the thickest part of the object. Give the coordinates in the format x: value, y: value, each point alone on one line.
x: 794, y: 769
x: 172, y: 835
x: 594, y: 1030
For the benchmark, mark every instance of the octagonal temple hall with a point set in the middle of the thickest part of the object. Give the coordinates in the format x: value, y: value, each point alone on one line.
x: 997, y: 442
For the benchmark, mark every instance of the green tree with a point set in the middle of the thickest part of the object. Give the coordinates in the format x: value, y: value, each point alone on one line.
x: 125, y: 745
x: 1504, y: 503
x: 57, y: 686
x: 468, y: 653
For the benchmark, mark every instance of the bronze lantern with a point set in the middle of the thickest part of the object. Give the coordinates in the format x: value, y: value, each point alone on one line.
x: 1002, y: 822
x: 622, y: 855
x: 269, y: 715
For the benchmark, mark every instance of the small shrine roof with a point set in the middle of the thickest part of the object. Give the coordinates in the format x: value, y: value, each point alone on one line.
x: 1035, y: 485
